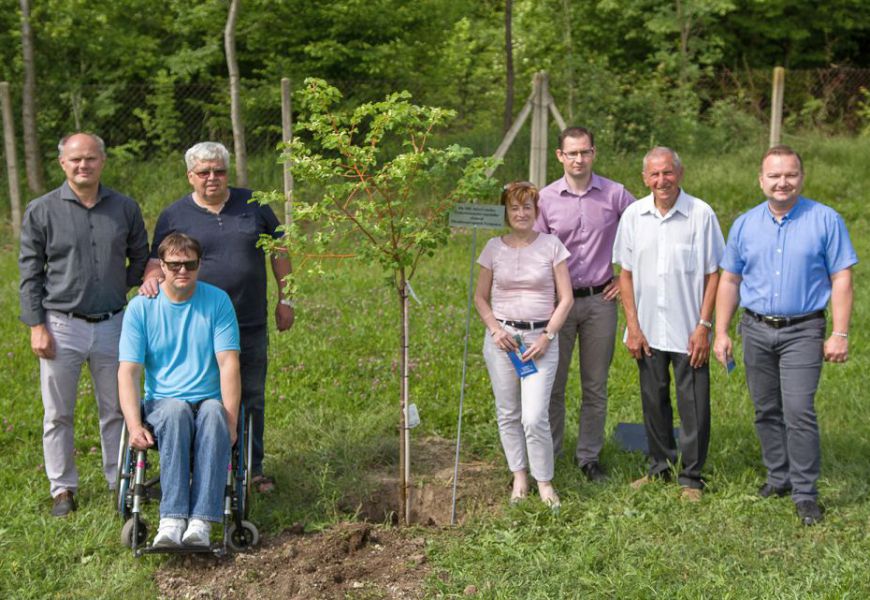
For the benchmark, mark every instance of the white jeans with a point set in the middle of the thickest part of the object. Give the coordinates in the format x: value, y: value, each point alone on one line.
x: 522, y: 406
x: 75, y: 342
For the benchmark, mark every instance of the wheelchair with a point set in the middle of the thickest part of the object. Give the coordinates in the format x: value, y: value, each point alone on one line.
x: 134, y: 490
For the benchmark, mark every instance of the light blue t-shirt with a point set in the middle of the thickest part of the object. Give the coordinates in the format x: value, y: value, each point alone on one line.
x: 786, y: 266
x: 177, y: 342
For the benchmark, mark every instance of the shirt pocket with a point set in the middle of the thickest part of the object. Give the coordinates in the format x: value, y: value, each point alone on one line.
x: 246, y: 224
x: 683, y: 258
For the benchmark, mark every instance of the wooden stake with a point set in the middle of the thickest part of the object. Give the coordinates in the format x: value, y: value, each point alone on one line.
x: 776, y: 105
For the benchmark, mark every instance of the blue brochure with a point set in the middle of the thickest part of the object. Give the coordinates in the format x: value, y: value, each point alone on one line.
x: 523, y: 368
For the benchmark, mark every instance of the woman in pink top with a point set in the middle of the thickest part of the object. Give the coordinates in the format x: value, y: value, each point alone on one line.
x: 524, y: 292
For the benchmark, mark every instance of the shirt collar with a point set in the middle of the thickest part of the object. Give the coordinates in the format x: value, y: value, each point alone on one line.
x: 67, y: 193
x: 648, y: 205
x: 594, y: 183
x: 790, y: 215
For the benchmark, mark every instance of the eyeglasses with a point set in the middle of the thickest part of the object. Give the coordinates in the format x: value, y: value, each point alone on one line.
x: 175, y: 265
x: 206, y: 173
x: 575, y: 155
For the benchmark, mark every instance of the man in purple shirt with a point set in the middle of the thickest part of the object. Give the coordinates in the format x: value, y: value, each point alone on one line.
x: 583, y: 209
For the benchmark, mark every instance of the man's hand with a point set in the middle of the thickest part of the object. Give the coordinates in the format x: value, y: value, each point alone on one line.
x: 636, y: 343
x: 699, y: 347
x: 150, y: 287
x: 837, y: 349
x: 41, y: 342
x: 284, y: 317
x: 722, y: 348
x: 140, y: 437
x: 611, y: 290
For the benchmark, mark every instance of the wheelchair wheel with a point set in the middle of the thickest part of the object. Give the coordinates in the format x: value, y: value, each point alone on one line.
x: 127, y: 533
x: 244, y: 537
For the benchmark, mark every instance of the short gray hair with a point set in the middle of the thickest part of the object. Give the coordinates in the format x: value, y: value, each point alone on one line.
x: 93, y: 136
x: 206, y: 151
x: 659, y: 150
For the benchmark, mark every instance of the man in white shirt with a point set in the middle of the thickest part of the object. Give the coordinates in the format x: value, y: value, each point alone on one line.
x: 669, y: 245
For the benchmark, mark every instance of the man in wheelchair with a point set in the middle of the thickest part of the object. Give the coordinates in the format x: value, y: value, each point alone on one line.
x: 187, y: 340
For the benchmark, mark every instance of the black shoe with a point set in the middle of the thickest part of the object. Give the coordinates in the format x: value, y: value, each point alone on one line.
x: 593, y: 472
x: 64, y: 504
x: 767, y: 490
x: 808, y: 511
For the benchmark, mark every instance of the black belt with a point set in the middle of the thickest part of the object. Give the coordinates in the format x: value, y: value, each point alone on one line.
x: 96, y: 318
x: 779, y: 322
x: 590, y: 291
x: 526, y: 324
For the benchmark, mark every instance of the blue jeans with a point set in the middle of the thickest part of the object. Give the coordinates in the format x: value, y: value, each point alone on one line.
x: 253, y: 361
x: 181, y: 427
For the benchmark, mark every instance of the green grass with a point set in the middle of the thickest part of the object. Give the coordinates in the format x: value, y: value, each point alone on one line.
x: 333, y: 406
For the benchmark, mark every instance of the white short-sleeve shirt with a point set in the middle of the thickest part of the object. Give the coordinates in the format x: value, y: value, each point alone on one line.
x: 668, y: 257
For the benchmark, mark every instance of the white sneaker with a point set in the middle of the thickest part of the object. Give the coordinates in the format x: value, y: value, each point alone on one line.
x: 169, y: 533
x: 198, y: 533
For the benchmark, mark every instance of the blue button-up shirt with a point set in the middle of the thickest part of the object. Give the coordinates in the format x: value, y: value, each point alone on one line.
x: 786, y: 266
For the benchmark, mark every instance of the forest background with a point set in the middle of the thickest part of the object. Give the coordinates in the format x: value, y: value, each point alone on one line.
x: 151, y: 78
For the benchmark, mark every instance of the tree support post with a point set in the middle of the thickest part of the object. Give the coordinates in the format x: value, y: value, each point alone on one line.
x: 776, y: 105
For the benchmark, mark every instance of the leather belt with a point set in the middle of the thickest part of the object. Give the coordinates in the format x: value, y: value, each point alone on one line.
x: 96, y: 318
x: 780, y: 322
x: 526, y: 324
x: 584, y: 292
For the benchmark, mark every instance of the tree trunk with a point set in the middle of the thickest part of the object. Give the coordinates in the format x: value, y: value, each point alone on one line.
x: 235, y: 96
x: 509, y: 66
x: 32, y: 155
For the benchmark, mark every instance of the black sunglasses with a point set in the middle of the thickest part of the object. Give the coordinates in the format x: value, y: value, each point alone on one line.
x: 175, y: 266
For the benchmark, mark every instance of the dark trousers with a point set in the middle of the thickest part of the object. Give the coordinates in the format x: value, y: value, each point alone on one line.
x: 783, y: 367
x: 253, y: 361
x: 693, y: 404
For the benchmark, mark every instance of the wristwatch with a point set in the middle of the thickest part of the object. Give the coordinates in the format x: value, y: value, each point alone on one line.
x: 550, y: 336
x: 286, y: 302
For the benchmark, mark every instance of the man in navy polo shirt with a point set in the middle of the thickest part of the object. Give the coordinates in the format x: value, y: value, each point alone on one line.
x: 228, y: 227
x: 784, y: 260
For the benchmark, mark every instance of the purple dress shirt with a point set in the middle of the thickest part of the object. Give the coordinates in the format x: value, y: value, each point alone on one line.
x: 586, y: 224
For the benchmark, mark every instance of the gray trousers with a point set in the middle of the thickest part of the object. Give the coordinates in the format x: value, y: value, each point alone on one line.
x: 783, y: 367
x: 592, y: 319
x: 693, y: 404
x: 76, y: 342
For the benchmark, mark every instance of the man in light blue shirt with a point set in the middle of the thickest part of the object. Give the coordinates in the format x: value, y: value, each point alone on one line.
x: 187, y: 339
x: 785, y: 259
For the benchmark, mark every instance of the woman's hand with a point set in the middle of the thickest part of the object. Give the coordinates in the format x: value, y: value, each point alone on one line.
x: 505, y: 341
x: 537, y: 349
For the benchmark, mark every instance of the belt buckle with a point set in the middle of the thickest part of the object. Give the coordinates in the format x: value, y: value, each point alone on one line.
x: 776, y: 322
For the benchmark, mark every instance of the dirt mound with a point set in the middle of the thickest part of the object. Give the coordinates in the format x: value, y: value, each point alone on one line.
x: 350, y: 560
x: 480, y: 488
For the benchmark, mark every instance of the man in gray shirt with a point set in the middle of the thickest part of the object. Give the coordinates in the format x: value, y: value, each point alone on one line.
x: 83, y: 246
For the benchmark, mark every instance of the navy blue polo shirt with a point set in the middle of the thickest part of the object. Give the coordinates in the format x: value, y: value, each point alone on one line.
x: 231, y: 259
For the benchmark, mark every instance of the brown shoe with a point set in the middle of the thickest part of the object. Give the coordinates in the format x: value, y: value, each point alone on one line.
x: 691, y: 494
x: 639, y: 483
x: 64, y: 504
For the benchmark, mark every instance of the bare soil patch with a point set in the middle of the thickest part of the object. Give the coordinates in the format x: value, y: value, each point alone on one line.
x: 368, y: 559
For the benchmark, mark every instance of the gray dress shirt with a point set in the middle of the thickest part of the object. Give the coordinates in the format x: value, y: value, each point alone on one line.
x: 78, y: 259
